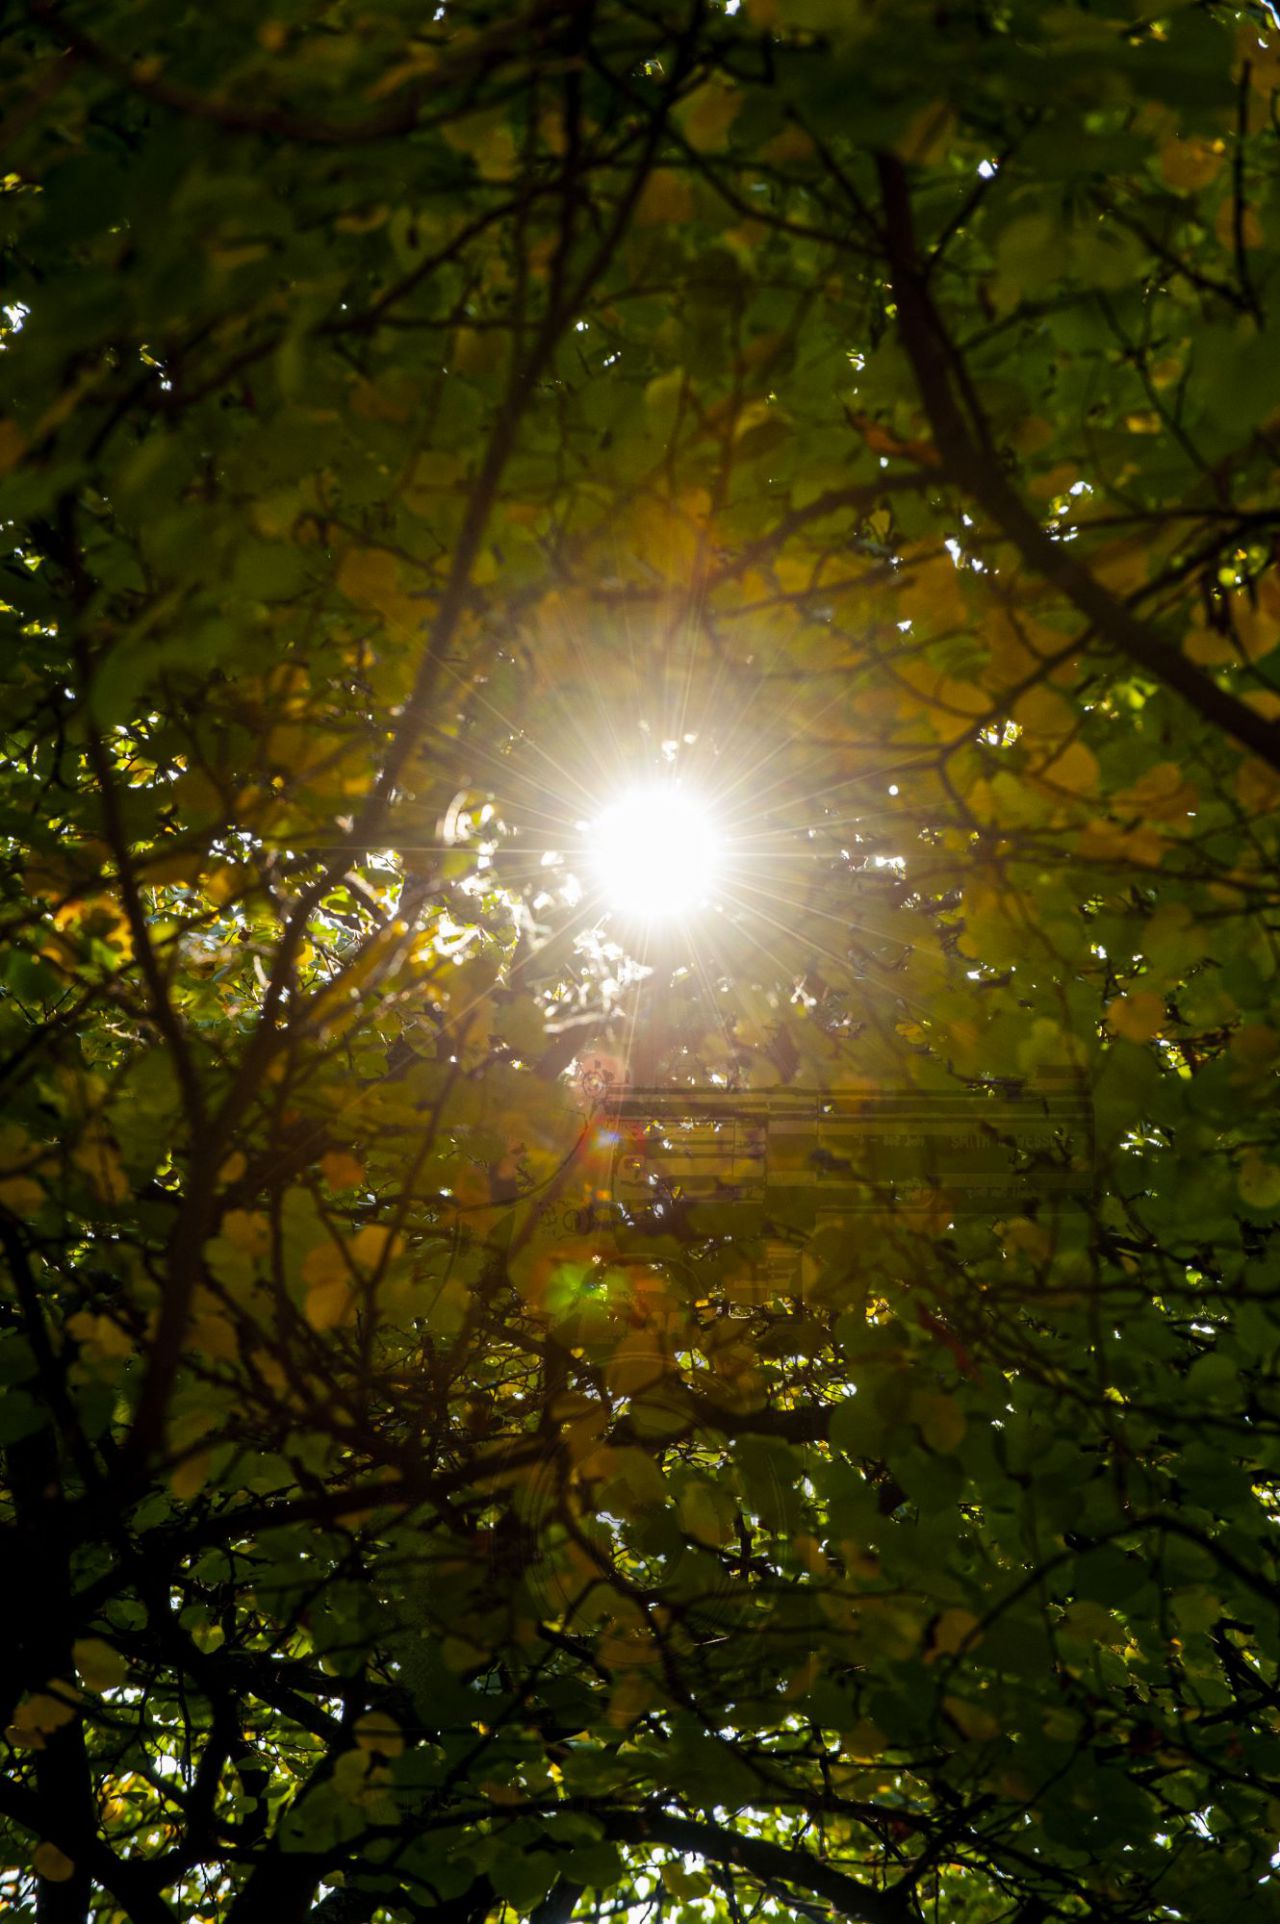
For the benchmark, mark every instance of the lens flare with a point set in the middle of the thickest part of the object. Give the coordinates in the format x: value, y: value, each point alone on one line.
x: 655, y: 852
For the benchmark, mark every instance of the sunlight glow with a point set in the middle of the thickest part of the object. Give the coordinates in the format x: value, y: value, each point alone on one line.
x: 655, y: 852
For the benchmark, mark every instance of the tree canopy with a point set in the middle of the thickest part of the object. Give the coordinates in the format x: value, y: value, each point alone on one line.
x: 421, y: 424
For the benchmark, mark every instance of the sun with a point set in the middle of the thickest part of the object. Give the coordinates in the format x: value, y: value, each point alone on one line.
x: 655, y: 853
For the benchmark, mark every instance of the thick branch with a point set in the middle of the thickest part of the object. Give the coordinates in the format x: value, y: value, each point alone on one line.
x: 771, y: 1863
x: 129, y: 1884
x: 972, y: 468
x: 392, y: 121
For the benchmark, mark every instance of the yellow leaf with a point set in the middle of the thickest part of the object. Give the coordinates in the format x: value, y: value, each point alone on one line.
x: 707, y: 1513
x: 489, y: 141
x: 100, y: 1666
x: 213, y: 1335
x: 1030, y: 1237
x: 1138, y: 1017
x: 325, y: 1264
x: 1161, y: 795
x: 1055, y: 480
x: 189, y: 1477
x: 24, y: 1739
x: 232, y: 1170
x: 708, y: 113
x: 1108, y: 842
x: 809, y: 1552
x: 932, y: 593
x: 801, y: 1681
x: 1258, y: 1183
x: 1224, y: 226
x: 330, y: 1304
x: 52, y: 1864
x: 865, y: 1742
x: 43, y: 1712
x: 13, y: 444
x: 351, y: 1773
x: 1257, y: 788
x: 971, y: 1720
x: 369, y: 577
x: 502, y: 1794
x: 1091, y: 1623
x: 1123, y: 565
x: 1188, y: 165
x: 22, y: 1194
x: 1255, y: 1047
x: 1075, y: 769
x: 377, y: 1731
x: 475, y: 351
x: 247, y: 1230
x: 928, y: 135
x: 1264, y: 60
x: 99, y: 1336
x: 1257, y: 629
x: 941, y: 1420
x: 340, y: 1170
x: 224, y: 883
x: 1032, y: 434
x: 792, y: 144
x: 665, y: 199
x: 953, y: 1631
x: 1042, y: 711
x: 374, y: 1246
x: 631, y: 1697
x: 98, y: 1159
x: 1209, y: 649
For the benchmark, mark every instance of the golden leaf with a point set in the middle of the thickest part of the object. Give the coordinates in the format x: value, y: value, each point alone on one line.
x: 52, y: 1864
x: 1224, y: 226
x: 1138, y: 1017
x: 971, y: 1719
x: 377, y: 1731
x: 708, y: 113
x: 865, y: 1742
x: 952, y: 1631
x: 44, y: 1712
x: 793, y: 143
x: 13, y: 444
x: 941, y: 1420
x: 325, y: 1264
x: 98, y: 1160
x: 1188, y: 165
x: 1258, y: 1183
x: 341, y: 1170
x: 1075, y: 769
x: 330, y: 1304
x: 189, y: 1477
x: 369, y: 577
x: 665, y: 199
x: 374, y: 1245
x: 247, y: 1230
x: 21, y: 1194
x: 927, y: 136
x: 100, y: 1666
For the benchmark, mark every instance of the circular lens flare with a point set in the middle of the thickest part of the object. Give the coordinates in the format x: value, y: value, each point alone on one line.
x: 655, y: 852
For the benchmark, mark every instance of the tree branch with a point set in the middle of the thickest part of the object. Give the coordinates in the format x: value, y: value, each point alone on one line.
x: 971, y: 468
x: 769, y: 1862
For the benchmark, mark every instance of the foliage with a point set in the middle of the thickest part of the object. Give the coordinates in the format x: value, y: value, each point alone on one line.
x: 416, y: 420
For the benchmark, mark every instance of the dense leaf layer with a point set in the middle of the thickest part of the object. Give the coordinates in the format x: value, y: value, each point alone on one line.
x: 417, y: 430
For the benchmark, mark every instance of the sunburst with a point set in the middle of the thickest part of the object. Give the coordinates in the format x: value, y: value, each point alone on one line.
x: 655, y: 852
